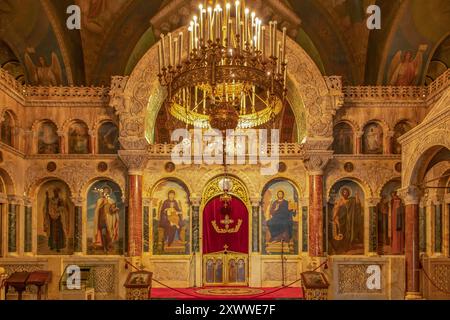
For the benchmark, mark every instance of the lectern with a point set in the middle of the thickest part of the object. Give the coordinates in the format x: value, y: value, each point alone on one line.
x: 18, y: 280
x: 139, y: 285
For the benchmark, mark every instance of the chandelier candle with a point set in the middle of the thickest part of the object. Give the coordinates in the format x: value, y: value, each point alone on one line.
x: 224, y: 68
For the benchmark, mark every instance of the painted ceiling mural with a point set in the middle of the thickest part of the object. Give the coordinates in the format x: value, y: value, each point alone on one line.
x: 37, y: 48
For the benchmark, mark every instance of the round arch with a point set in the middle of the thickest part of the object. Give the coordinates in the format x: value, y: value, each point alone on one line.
x: 212, y: 189
x: 9, y: 187
x: 418, y: 163
x: 85, y: 187
x: 364, y: 186
x: 172, y: 179
x: 33, y: 189
x: 278, y: 179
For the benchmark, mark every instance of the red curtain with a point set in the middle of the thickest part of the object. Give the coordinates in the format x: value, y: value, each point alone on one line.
x: 214, y: 241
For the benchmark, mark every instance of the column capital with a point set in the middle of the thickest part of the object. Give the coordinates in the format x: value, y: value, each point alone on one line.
x: 78, y: 201
x: 373, y: 202
x: 147, y: 202
x: 410, y: 195
x: 195, y: 200
x: 255, y: 201
x: 27, y: 201
x: 359, y: 134
x: 315, y: 162
x: 3, y: 198
x: 447, y: 198
x: 134, y: 160
x: 390, y: 134
x: 16, y: 200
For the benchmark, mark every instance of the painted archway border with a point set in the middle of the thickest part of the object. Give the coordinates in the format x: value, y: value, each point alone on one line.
x: 433, y: 131
x: 137, y: 99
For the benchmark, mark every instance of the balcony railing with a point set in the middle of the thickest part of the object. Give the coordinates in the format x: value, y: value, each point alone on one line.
x: 284, y: 149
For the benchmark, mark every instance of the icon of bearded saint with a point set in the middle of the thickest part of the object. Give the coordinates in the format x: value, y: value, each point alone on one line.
x: 106, y: 220
x: 347, y: 221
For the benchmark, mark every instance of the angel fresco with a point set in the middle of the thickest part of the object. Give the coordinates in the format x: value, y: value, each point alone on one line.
x: 43, y: 74
x: 405, y: 68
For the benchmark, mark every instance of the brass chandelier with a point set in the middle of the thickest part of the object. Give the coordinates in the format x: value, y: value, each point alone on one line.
x: 229, y: 73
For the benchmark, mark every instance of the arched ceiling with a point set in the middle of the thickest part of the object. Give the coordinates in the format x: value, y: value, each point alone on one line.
x: 116, y: 34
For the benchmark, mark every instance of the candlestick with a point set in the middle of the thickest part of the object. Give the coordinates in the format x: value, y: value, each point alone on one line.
x: 271, y: 38
x: 275, y: 36
x: 159, y: 58
x: 175, y: 56
x: 246, y: 12
x: 210, y: 25
x: 201, y: 23
x: 238, y: 18
x: 170, y: 49
x: 283, y: 58
x: 180, y: 44
x: 263, y: 42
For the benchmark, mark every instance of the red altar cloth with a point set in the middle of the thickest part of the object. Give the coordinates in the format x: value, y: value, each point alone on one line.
x: 214, y: 241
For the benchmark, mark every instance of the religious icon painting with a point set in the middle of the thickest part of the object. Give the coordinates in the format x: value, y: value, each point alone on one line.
x: 7, y: 129
x: 391, y: 220
x: 171, y: 221
x: 343, y: 138
x: 79, y: 138
x: 373, y: 139
x: 280, y: 218
x: 48, y: 139
x: 55, y: 219
x: 108, y: 138
x: 346, y: 219
x: 105, y: 219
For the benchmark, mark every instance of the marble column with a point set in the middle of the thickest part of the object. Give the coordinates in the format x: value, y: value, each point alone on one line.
x: 437, y: 208
x: 195, y: 202
x: 388, y: 142
x: 305, y: 228
x: 135, y: 161
x: 135, y: 181
x: 423, y: 227
x: 3, y: 223
x: 358, y: 143
x: 28, y: 226
x: 256, y: 213
x: 316, y: 215
x: 78, y: 225
x: 146, y: 225
x: 412, y: 257
x: 13, y: 216
x: 373, y: 225
x: 315, y: 162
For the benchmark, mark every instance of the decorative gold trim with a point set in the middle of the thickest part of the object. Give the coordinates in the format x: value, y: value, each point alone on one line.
x: 225, y: 256
x: 213, y: 190
x: 235, y: 229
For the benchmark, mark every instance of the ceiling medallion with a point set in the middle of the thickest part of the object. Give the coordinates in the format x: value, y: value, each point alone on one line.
x: 228, y: 72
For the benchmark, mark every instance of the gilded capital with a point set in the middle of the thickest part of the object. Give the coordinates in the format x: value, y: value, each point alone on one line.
x: 135, y: 161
